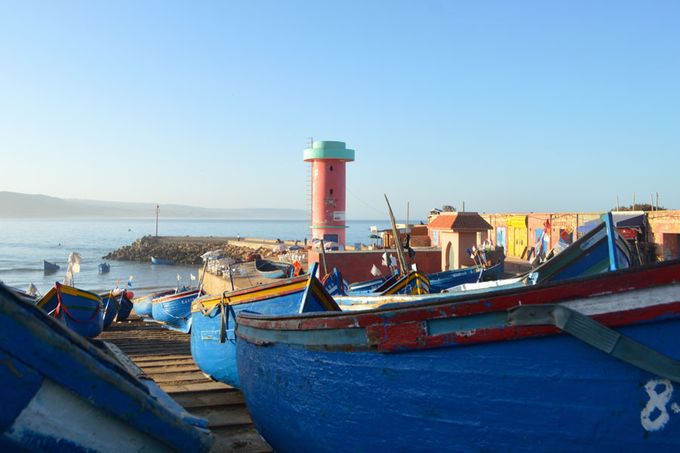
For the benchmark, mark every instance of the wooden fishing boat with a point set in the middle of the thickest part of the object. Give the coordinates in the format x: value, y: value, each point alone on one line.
x: 104, y: 268
x: 174, y: 310
x: 162, y: 262
x: 213, y: 343
x: 142, y: 304
x: 273, y: 269
x: 80, y: 310
x: 441, y: 281
x: 588, y: 364
x: 111, y: 307
x: 61, y: 392
x: 600, y: 250
x: 50, y: 268
x: 125, y: 306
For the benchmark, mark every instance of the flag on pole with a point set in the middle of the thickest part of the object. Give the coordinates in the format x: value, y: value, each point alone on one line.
x: 129, y: 283
x: 193, y: 277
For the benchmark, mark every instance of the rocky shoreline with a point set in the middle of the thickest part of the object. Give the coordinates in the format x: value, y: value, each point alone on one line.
x: 183, y: 250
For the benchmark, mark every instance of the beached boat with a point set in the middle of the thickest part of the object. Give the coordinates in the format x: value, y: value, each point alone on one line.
x: 142, y: 304
x: 441, y: 281
x: 174, y: 310
x: 50, y: 268
x: 61, y: 392
x: 104, y: 268
x: 273, y: 269
x: 162, y: 262
x: 213, y: 343
x: 536, y: 367
x: 125, y: 306
x: 600, y: 250
x: 80, y: 310
x: 111, y: 307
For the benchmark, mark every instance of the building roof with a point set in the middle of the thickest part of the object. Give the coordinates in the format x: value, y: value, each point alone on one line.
x: 459, y: 221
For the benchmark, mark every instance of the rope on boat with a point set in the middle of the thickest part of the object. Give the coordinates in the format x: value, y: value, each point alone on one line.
x: 62, y: 307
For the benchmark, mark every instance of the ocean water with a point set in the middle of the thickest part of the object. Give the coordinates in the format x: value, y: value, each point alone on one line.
x: 24, y: 244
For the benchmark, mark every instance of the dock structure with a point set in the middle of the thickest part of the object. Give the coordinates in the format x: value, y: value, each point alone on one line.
x: 165, y: 356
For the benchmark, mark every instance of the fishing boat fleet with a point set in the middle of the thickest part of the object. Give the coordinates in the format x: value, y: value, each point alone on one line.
x: 578, y: 353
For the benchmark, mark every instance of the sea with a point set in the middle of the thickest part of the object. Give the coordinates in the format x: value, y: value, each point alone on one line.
x: 25, y: 243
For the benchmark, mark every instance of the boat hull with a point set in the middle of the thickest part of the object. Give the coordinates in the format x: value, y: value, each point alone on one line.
x: 550, y: 394
x: 174, y: 311
x: 63, y: 393
x: 471, y: 375
x: 213, y: 347
x: 111, y: 307
x: 80, y: 310
x: 125, y: 307
x: 142, y: 304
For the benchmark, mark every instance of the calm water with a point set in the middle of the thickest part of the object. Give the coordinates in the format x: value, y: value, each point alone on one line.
x: 24, y: 244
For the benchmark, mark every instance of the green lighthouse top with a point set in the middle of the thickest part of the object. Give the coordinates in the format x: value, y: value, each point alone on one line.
x: 329, y: 150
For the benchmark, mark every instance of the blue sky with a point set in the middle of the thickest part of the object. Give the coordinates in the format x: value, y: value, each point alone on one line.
x: 508, y: 106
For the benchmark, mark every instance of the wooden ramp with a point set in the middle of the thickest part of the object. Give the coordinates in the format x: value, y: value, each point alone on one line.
x: 165, y: 356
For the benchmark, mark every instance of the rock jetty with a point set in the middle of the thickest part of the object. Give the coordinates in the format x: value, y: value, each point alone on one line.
x: 183, y: 250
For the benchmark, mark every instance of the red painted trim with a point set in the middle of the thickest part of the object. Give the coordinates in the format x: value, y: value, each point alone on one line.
x: 615, y: 282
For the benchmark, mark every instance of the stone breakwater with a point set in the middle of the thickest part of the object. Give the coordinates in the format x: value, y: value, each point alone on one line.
x: 183, y: 250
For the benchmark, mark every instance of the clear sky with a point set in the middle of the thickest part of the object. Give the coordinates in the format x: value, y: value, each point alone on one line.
x: 507, y: 105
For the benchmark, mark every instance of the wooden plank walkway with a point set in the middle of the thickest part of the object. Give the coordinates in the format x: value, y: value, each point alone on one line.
x: 165, y: 356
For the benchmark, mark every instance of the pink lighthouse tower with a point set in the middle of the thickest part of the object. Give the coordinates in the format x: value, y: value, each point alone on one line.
x: 328, y: 189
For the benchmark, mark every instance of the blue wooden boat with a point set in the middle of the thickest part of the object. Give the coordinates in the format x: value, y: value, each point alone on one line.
x: 125, y: 306
x: 273, y: 269
x: 161, y: 262
x: 213, y: 343
x: 441, y: 281
x: 174, y: 310
x: 60, y: 392
x: 104, y: 268
x: 588, y: 364
x: 601, y: 250
x: 111, y: 307
x: 80, y: 310
x: 142, y: 304
x: 49, y: 268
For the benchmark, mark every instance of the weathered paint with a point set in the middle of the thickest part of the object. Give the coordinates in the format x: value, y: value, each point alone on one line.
x: 328, y: 375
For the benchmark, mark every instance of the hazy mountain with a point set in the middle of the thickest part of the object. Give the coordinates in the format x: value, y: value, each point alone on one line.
x: 21, y: 205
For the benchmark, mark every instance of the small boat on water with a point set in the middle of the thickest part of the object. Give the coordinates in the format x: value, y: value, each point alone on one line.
x: 174, y: 310
x: 162, y: 262
x: 587, y: 364
x: 61, y: 392
x: 80, y: 310
x: 273, y: 269
x: 142, y: 304
x: 213, y: 340
x: 104, y: 268
x: 50, y: 268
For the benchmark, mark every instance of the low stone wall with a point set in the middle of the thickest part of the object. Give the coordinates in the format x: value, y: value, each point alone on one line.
x: 184, y: 250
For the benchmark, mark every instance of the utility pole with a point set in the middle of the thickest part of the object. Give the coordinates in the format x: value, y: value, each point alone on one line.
x: 657, y: 201
x: 158, y: 208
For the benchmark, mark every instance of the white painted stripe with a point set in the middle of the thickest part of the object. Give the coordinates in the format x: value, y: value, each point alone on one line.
x: 629, y: 300
x: 57, y: 413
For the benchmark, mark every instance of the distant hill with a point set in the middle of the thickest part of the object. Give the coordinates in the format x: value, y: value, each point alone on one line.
x: 21, y: 205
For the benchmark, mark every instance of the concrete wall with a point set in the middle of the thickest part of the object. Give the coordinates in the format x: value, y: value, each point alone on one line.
x: 459, y: 243
x: 664, y: 228
x: 355, y: 266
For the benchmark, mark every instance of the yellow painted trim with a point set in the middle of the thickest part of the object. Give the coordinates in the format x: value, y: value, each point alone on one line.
x: 250, y: 295
x: 71, y: 291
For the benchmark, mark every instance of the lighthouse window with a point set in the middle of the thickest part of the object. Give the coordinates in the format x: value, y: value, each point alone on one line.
x: 331, y: 191
x: 331, y: 169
